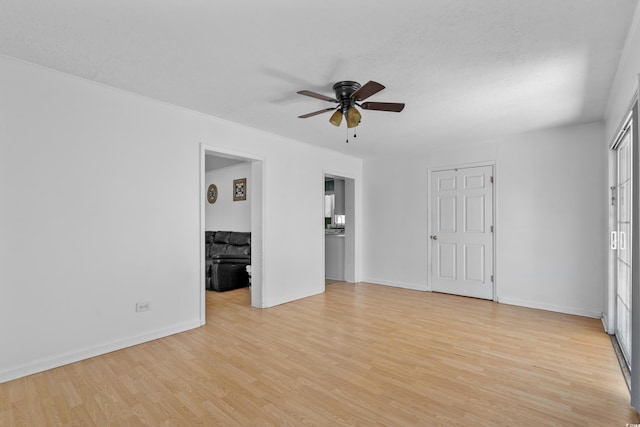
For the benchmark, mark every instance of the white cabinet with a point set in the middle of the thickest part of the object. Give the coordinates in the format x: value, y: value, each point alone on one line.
x: 334, y: 256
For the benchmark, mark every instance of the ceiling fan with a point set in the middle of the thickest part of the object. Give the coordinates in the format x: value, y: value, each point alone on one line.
x: 348, y: 96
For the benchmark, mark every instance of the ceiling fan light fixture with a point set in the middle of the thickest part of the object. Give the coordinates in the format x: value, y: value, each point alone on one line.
x: 353, y: 117
x: 348, y: 94
x: 336, y: 118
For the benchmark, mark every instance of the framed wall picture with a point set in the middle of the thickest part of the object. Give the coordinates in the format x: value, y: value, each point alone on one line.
x: 212, y: 193
x: 239, y: 189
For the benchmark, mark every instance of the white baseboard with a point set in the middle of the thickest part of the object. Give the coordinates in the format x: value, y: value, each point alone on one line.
x: 76, y: 356
x: 509, y: 301
x: 394, y: 284
x: 272, y: 302
x: 551, y: 307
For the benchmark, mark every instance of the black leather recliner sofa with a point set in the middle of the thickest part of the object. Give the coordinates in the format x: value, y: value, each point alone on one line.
x: 227, y: 255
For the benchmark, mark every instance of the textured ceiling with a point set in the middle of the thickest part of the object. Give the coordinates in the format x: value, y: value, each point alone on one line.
x: 468, y: 70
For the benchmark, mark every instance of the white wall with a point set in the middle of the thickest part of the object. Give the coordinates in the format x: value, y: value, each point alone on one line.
x: 225, y: 214
x: 551, y: 225
x: 101, y: 209
x: 626, y: 81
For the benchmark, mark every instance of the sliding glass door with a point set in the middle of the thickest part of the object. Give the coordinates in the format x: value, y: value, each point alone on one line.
x: 621, y: 241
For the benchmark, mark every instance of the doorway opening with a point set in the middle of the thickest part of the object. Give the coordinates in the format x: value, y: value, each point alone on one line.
x: 232, y: 209
x: 339, y: 228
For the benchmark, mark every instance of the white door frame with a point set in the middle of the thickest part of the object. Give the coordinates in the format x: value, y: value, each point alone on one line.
x: 257, y: 223
x: 496, y: 228
x: 609, y: 317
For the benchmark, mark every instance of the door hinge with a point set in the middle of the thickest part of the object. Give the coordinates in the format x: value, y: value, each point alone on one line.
x: 492, y: 228
x: 492, y: 278
x: 492, y: 180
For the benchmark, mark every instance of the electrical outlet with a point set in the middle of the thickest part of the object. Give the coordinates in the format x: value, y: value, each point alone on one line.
x: 143, y: 306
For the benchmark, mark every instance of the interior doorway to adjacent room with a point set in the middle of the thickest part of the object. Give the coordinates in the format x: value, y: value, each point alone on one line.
x: 238, y: 214
x: 339, y: 228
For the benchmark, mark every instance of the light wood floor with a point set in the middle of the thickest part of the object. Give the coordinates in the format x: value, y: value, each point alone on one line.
x: 356, y: 355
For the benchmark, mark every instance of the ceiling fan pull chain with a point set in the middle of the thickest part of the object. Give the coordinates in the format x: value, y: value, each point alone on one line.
x: 347, y: 135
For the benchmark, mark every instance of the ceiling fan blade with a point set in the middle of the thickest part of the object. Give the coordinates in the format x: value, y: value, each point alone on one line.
x: 315, y: 113
x: 383, y: 106
x: 370, y: 88
x: 317, y: 95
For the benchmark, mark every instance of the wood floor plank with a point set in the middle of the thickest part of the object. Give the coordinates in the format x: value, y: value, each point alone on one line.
x: 356, y: 355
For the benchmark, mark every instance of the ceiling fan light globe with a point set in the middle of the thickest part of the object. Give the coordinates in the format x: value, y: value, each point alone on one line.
x: 336, y: 118
x: 353, y: 117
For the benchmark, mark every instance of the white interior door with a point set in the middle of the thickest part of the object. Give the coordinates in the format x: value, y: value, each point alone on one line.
x: 461, y: 204
x: 621, y: 243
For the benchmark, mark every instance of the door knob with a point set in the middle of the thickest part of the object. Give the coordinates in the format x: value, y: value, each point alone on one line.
x: 434, y: 237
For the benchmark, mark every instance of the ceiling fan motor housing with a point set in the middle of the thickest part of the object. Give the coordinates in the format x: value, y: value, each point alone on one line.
x: 348, y: 95
x: 343, y: 91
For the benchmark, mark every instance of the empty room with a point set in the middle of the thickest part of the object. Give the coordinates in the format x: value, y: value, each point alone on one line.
x: 346, y: 213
